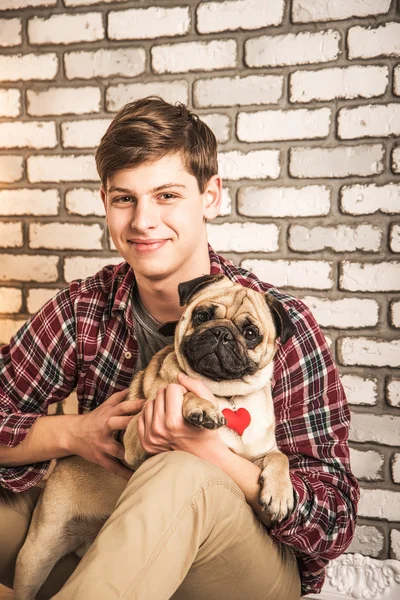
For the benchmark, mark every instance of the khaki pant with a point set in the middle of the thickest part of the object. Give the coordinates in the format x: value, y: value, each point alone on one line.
x: 181, y: 530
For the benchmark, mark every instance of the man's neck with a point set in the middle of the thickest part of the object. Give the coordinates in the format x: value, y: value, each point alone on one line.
x: 160, y: 297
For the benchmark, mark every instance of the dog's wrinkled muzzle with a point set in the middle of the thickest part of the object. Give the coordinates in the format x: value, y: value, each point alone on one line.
x: 217, y: 354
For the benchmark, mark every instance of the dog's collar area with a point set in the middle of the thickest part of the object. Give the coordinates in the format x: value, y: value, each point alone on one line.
x: 168, y: 329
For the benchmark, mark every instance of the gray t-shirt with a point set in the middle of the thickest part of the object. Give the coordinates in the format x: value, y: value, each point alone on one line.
x: 149, y: 339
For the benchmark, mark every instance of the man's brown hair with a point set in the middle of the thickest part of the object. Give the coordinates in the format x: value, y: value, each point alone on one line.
x: 148, y: 129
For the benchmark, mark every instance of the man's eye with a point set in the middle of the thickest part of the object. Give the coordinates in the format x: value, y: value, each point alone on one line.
x: 123, y: 199
x: 167, y: 196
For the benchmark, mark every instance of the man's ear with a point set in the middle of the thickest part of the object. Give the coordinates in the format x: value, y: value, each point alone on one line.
x: 103, y: 196
x: 283, y: 323
x: 212, y: 198
x: 187, y: 289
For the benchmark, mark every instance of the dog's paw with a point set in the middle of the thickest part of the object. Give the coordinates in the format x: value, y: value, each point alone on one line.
x: 276, y: 497
x: 206, y: 416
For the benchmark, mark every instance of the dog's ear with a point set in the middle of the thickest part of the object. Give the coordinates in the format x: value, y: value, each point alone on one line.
x: 188, y: 288
x: 284, y: 326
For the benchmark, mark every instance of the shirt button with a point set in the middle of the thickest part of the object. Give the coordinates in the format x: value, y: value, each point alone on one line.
x: 128, y: 355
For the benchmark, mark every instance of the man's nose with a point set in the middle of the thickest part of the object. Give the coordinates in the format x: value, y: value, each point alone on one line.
x: 145, y: 216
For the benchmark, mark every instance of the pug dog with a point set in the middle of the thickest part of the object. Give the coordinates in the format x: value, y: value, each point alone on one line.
x: 226, y: 337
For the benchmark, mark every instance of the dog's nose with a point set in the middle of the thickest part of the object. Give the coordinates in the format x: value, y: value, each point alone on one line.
x: 222, y: 334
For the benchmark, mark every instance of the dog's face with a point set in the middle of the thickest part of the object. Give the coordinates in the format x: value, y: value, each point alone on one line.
x: 228, y: 332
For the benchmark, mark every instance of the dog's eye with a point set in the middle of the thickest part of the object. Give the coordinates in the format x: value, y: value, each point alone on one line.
x: 250, y: 333
x: 201, y: 317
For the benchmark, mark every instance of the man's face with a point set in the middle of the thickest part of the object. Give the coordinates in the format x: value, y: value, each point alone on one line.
x: 155, y: 214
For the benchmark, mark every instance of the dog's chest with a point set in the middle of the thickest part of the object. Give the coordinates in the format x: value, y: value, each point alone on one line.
x: 259, y: 436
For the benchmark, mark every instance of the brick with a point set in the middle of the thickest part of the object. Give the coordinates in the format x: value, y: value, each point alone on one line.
x: 63, y: 101
x: 172, y: 91
x: 31, y: 134
x: 27, y: 201
x: 256, y: 164
x: 10, y: 32
x: 10, y: 300
x: 365, y: 42
x: 80, y: 267
x: 393, y: 392
x: 396, y: 80
x: 244, y: 237
x: 11, y: 235
x: 381, y: 429
x: 37, y: 297
x: 25, y: 267
x: 66, y: 29
x: 396, y: 160
x: 16, y: 67
x: 226, y: 203
x: 341, y: 161
x: 84, y: 202
x: 105, y: 63
x: 370, y: 352
x: 366, y: 465
x: 395, y: 468
x: 9, y: 327
x: 346, y: 313
x: 342, y: 238
x: 10, y: 103
x: 90, y: 2
x: 301, y: 48
x: 367, y: 541
x: 238, y: 14
x: 271, y: 125
x: 369, y: 121
x: 379, y: 504
x: 148, y: 23
x: 312, y: 274
x: 349, y: 82
x: 360, y: 391
x: 395, y: 314
x: 11, y: 168
x: 238, y: 91
x: 395, y: 543
x: 395, y: 238
x: 370, y: 199
x: 219, y: 124
x: 370, y: 277
x: 61, y: 168
x: 308, y: 201
x: 84, y: 133
x: 15, y: 4
x: 65, y: 236
x: 308, y: 11
x: 194, y: 56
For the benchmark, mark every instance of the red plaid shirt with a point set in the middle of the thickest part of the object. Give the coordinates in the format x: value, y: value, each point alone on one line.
x: 84, y: 338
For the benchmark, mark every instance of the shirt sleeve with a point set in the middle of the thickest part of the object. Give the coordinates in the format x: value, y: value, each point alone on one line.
x: 312, y: 430
x: 38, y: 367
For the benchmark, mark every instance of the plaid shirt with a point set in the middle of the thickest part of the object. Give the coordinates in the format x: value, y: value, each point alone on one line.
x: 84, y: 338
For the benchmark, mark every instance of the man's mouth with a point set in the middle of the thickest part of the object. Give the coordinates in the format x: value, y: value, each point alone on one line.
x: 146, y: 245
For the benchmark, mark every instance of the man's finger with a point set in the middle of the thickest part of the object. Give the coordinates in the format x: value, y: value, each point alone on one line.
x: 117, y: 468
x: 196, y: 386
x: 118, y: 423
x: 117, y: 397
x: 131, y: 406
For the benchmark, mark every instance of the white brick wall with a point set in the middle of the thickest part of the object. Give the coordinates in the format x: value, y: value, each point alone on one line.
x: 153, y: 22
x: 381, y: 504
x: 303, y: 98
x: 238, y: 14
x: 63, y: 101
x: 301, y: 48
x: 271, y: 125
x: 347, y: 82
x: 66, y: 29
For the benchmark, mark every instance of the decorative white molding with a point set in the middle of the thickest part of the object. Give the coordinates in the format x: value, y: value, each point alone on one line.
x: 359, y: 577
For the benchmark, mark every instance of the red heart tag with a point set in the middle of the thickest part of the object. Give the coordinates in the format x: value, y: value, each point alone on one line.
x: 238, y: 421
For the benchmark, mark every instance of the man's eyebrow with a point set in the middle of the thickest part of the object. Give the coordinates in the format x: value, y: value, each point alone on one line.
x: 164, y: 186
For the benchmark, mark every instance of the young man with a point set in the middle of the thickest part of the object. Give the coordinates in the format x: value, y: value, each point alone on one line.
x: 188, y: 525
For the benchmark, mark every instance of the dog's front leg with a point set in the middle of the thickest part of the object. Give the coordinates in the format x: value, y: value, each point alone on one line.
x: 276, y: 495
x: 135, y: 455
x: 201, y: 412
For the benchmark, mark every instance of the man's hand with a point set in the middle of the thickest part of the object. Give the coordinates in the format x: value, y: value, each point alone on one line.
x: 161, y: 426
x: 92, y: 434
